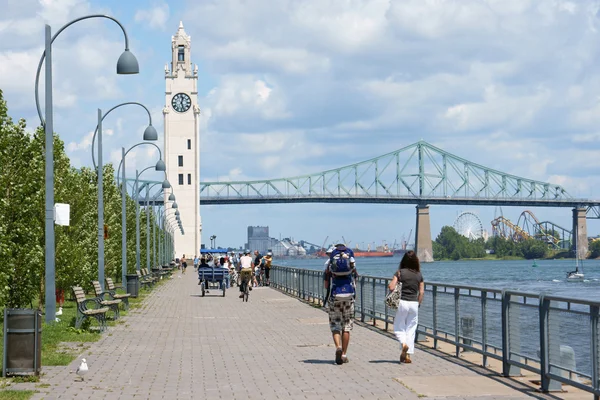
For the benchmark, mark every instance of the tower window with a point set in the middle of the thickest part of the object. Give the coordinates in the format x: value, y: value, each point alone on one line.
x: 189, y: 144
x: 181, y: 179
x: 180, y: 53
x: 189, y: 179
x: 180, y: 161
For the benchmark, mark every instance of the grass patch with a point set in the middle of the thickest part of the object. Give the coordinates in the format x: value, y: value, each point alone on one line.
x: 16, y: 394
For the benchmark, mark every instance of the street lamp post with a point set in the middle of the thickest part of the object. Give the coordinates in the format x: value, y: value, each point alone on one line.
x: 127, y: 64
x: 160, y: 166
x: 137, y: 219
x: 149, y: 134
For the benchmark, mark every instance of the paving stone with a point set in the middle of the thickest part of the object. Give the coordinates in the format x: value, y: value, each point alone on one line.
x: 179, y: 345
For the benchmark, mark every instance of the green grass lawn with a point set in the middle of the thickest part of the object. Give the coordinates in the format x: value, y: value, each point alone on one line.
x: 16, y: 394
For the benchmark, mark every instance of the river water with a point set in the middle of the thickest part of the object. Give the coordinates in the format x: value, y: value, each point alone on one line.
x: 548, y: 277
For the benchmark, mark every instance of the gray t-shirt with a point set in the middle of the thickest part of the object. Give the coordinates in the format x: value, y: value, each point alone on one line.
x: 410, y: 284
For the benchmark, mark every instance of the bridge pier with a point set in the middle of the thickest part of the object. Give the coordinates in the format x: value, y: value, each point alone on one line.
x: 423, y: 246
x: 580, y: 241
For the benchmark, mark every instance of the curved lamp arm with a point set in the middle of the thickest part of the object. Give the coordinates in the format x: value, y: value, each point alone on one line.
x: 127, y: 152
x: 39, y: 69
x: 106, y: 114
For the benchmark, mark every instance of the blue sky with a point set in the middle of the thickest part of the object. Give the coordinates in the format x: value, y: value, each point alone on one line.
x: 509, y: 84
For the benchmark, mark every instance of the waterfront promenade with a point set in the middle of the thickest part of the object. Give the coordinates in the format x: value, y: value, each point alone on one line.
x: 181, y: 346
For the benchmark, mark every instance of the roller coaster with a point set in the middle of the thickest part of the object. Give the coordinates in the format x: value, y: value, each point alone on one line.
x: 529, y: 227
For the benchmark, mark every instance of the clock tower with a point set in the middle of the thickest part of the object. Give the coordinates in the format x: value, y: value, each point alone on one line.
x: 182, y: 147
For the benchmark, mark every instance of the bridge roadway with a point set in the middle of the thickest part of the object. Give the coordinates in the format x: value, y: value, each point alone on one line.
x: 181, y: 346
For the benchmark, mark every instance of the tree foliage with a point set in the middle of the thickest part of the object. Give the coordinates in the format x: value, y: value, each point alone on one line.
x: 451, y: 245
x: 22, y: 218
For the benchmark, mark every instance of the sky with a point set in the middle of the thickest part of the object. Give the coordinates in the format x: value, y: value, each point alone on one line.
x: 509, y: 84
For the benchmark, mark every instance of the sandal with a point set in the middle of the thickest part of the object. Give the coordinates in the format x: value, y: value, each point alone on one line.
x: 407, y: 360
x: 403, y: 354
x: 338, y: 356
x: 345, y: 359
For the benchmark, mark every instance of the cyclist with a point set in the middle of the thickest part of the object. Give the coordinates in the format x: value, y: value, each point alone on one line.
x: 246, y: 272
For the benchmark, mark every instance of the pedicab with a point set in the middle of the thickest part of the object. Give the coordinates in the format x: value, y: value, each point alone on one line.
x: 212, y: 277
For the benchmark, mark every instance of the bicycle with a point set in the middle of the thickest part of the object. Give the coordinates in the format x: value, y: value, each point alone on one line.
x: 246, y: 277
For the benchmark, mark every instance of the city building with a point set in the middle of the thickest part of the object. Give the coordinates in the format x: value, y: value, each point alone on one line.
x: 258, y: 239
x: 182, y: 147
x: 288, y: 248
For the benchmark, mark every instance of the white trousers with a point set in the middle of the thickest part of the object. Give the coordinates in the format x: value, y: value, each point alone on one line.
x: 405, y: 323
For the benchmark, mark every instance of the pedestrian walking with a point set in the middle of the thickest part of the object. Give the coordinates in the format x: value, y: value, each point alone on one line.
x: 339, y: 281
x: 196, y: 261
x: 407, y: 316
x: 183, y: 264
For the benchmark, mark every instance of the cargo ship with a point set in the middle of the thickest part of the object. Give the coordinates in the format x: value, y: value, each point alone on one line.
x: 380, y: 251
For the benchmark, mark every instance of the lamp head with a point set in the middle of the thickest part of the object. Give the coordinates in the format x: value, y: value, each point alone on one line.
x: 160, y: 166
x: 127, y: 64
x: 166, y: 184
x: 174, y: 205
x: 172, y: 197
x: 150, y: 133
x: 177, y: 213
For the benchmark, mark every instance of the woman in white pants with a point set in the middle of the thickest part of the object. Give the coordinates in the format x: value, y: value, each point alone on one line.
x: 407, y: 316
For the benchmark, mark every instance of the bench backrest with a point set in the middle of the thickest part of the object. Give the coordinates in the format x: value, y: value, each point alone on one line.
x: 97, y: 287
x: 79, y: 294
x: 144, y: 271
x: 110, y: 285
x: 139, y: 274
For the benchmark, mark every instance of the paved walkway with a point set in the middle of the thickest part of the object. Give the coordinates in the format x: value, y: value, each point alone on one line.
x: 182, y: 346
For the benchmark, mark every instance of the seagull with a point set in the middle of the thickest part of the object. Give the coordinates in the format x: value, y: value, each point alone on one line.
x: 82, y: 369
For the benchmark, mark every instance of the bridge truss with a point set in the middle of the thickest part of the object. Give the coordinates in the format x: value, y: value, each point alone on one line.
x: 417, y: 174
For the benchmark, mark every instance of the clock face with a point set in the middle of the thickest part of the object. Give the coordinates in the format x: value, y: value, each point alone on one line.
x: 181, y: 102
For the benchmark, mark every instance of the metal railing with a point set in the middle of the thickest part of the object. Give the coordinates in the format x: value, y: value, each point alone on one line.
x: 554, y: 337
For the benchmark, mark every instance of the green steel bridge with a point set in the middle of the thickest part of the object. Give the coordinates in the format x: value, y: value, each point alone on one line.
x: 419, y: 174
x: 416, y: 174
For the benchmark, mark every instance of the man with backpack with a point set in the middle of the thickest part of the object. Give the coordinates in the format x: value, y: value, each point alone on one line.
x: 339, y: 277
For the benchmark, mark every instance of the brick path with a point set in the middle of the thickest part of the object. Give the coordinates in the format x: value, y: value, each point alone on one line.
x: 182, y: 346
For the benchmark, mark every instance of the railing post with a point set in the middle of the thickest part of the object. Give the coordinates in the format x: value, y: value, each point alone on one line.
x: 594, y: 314
x: 507, y: 368
x: 387, y: 323
x: 484, y: 327
x: 362, y: 299
x: 543, y: 311
x: 505, y: 350
x: 373, y: 304
x: 456, y: 322
x: 434, y: 316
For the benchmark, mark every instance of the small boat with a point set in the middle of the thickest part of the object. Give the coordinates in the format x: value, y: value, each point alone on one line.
x: 576, y: 276
x: 534, y: 264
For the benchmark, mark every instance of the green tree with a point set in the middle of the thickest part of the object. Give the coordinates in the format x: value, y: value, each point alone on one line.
x: 21, y: 213
x: 532, y: 248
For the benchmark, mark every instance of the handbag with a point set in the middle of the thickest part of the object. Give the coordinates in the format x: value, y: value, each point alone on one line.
x: 392, y: 300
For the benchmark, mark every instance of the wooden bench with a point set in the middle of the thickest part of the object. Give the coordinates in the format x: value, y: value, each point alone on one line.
x: 144, y: 281
x: 150, y: 275
x: 112, y: 289
x: 110, y: 303
x: 84, y: 310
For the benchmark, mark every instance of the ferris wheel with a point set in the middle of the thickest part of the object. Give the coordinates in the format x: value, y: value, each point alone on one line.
x: 468, y: 225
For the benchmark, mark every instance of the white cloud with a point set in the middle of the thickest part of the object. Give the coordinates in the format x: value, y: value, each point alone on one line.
x: 156, y: 16
x: 245, y: 94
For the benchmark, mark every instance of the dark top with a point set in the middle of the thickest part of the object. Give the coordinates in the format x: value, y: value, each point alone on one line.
x: 257, y: 259
x: 410, y: 284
